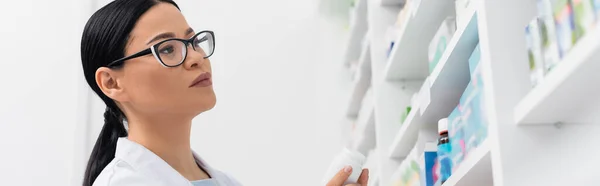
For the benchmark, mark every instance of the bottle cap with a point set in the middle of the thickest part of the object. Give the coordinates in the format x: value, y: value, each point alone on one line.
x: 355, y: 156
x: 443, y: 125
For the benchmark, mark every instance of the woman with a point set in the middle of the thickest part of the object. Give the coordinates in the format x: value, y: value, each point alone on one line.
x: 153, y: 72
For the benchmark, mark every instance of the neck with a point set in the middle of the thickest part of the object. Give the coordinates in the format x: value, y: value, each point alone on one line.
x: 169, y: 138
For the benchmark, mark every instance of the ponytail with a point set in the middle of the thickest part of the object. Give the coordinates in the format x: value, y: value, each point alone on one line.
x: 106, y: 144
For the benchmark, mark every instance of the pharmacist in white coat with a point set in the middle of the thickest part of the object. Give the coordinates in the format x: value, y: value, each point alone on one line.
x: 153, y: 72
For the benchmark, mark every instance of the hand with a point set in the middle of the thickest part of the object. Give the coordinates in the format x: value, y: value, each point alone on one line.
x: 342, y: 176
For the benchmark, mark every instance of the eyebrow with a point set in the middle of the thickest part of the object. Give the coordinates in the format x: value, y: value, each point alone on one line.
x: 168, y: 35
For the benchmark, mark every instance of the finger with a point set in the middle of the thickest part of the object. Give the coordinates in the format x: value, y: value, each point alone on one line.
x: 354, y: 184
x: 364, y: 177
x: 340, y: 177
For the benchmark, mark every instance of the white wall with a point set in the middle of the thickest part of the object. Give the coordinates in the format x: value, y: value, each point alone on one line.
x: 39, y: 97
x: 277, y: 77
x: 278, y: 90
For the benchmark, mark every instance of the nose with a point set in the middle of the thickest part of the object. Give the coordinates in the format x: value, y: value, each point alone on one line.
x: 193, y: 59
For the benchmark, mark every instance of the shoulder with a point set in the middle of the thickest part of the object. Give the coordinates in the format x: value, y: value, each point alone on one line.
x: 121, y: 173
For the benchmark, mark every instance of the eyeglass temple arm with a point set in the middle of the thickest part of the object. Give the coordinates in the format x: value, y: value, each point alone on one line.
x: 141, y: 53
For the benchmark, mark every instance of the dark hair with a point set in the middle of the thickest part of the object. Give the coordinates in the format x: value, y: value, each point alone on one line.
x: 104, y: 39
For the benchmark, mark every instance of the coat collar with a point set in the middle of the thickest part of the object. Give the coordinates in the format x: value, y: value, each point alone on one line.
x: 150, y: 164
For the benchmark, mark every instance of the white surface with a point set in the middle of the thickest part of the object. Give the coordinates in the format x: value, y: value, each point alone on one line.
x: 448, y: 81
x: 408, y: 59
x: 451, y: 76
x: 364, y: 132
x: 358, y: 29
x: 277, y: 80
x: 407, y: 135
x: 569, y: 91
x: 40, y: 112
x: 361, y: 84
x: 389, y: 98
x: 475, y: 170
x: 519, y: 150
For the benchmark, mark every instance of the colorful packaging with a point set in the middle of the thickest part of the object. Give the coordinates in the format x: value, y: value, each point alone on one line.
x: 473, y: 112
x: 440, y: 40
x: 428, y: 162
x: 410, y: 169
x: 405, y: 114
x: 443, y: 150
x: 584, y: 16
x: 596, y: 8
x: 534, y: 51
x: 456, y: 128
x: 547, y: 26
x: 565, y: 26
x: 474, y: 59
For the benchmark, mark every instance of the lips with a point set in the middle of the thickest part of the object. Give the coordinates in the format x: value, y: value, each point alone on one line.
x: 203, y: 80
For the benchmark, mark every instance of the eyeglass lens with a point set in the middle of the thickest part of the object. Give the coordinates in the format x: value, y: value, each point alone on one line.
x: 173, y: 52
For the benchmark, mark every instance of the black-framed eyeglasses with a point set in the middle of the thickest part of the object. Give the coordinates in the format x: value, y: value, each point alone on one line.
x: 172, y: 52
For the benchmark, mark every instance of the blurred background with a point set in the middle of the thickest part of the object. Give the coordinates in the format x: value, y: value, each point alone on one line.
x: 433, y: 92
x: 277, y: 120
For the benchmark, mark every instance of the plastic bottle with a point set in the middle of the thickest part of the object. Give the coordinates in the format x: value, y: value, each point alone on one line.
x: 444, y: 148
x: 347, y: 157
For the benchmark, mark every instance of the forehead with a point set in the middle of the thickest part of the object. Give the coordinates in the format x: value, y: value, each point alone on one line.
x: 161, y: 18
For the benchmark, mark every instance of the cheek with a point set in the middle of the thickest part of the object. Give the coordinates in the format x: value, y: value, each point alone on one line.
x: 158, y: 88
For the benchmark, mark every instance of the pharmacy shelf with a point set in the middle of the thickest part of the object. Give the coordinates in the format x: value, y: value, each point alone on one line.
x: 407, y: 136
x: 393, y: 2
x: 365, y: 130
x: 361, y: 83
x: 408, y: 58
x: 569, y: 90
x: 475, y: 170
x: 441, y: 92
x: 358, y: 29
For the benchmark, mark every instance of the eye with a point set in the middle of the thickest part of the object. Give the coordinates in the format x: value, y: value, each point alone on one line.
x: 167, y: 49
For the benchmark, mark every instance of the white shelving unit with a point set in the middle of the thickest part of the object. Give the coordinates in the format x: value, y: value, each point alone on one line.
x: 536, y: 136
x: 408, y: 59
x: 564, y: 96
x: 476, y: 170
x: 444, y: 88
x: 392, y: 2
x: 361, y: 83
x: 358, y: 29
x: 364, y: 136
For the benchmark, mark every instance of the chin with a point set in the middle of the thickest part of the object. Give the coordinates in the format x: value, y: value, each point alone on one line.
x: 205, y: 103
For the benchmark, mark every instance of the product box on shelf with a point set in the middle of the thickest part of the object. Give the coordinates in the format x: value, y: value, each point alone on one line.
x: 476, y: 121
x: 534, y: 52
x: 584, y: 16
x: 440, y: 40
x: 404, y: 14
x: 565, y: 26
x: 456, y: 127
x: 474, y: 59
x: 473, y: 112
x: 596, y: 9
x: 409, y: 172
x: 548, y: 35
x: 427, y: 162
x: 405, y: 114
x: 390, y: 37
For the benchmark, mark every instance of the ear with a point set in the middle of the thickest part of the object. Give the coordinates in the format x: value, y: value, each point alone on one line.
x: 109, y: 82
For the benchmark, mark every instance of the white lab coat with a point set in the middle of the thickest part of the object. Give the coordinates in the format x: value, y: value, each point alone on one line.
x: 135, y: 165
